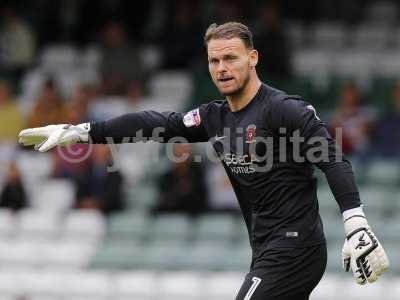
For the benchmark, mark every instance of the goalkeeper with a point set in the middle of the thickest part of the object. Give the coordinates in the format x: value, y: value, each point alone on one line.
x: 268, y: 142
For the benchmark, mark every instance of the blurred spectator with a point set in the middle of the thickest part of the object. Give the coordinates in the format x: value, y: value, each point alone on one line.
x: 49, y: 107
x: 99, y: 188
x: 121, y: 63
x: 134, y: 95
x: 182, y: 38
x: 90, y: 14
x: 182, y: 188
x: 386, y: 132
x: 13, y: 195
x: 354, y: 119
x: 77, y: 106
x: 17, y: 43
x: 11, y: 119
x: 271, y: 42
x: 74, y: 161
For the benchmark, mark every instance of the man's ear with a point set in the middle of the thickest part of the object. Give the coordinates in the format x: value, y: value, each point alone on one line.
x: 253, y: 58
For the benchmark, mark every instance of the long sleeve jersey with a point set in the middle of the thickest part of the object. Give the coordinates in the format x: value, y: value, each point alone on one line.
x: 269, y: 149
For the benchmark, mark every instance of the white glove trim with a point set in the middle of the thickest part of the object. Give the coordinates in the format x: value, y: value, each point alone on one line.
x: 352, y: 212
x: 84, y: 138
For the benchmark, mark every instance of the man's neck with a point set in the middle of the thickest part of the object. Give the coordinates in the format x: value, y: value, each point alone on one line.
x: 237, y: 102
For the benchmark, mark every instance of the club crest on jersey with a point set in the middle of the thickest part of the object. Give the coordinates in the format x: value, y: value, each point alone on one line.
x: 192, y: 118
x: 250, y: 133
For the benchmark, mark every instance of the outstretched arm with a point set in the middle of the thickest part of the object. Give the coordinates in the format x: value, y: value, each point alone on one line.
x: 132, y: 127
x: 159, y: 127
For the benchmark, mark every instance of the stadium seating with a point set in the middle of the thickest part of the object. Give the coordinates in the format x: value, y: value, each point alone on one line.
x: 67, y: 254
x: 35, y: 222
x: 118, y: 255
x: 33, y: 166
x: 329, y: 35
x: 7, y: 223
x: 171, y: 226
x: 327, y: 203
x: 55, y: 195
x: 129, y: 226
x: 174, y: 85
x: 49, y: 252
x: 59, y: 58
x: 223, y: 285
x: 87, y: 225
x: 214, y: 227
x: 144, y: 196
x: 371, y: 36
x: 383, y: 172
x: 167, y: 257
x: 19, y: 253
x: 82, y: 284
x: 167, y: 285
x: 181, y: 285
x: 135, y: 285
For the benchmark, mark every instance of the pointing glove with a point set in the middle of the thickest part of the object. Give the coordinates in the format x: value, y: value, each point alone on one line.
x: 45, y: 138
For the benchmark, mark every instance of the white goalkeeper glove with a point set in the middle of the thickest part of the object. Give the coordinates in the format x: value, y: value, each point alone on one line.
x: 45, y: 138
x: 362, y: 252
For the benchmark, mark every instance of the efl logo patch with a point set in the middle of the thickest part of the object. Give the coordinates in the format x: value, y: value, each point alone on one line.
x: 250, y: 133
x: 192, y: 118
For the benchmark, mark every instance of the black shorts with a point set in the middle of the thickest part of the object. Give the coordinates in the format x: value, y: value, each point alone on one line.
x: 285, y: 274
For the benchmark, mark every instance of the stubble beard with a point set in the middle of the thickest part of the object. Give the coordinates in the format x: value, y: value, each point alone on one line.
x: 239, y: 90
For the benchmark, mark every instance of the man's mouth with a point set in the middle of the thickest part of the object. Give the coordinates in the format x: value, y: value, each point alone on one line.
x: 225, y: 79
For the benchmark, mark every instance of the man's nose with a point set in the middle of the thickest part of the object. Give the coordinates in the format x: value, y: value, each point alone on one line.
x: 221, y: 66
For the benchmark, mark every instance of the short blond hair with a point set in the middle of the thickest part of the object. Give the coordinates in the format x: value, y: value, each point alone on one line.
x: 229, y: 30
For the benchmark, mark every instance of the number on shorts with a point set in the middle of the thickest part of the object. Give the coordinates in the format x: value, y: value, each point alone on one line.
x: 256, y: 282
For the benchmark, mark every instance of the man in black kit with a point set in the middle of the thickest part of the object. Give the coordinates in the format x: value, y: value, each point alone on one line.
x: 268, y: 142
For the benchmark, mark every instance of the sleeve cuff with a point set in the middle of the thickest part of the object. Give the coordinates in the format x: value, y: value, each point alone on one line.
x: 352, y: 212
x: 96, y: 133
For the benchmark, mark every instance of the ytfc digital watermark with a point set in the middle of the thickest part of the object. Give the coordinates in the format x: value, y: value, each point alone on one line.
x: 243, y: 153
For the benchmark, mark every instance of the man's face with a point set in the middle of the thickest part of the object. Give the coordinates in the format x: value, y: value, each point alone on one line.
x: 230, y: 63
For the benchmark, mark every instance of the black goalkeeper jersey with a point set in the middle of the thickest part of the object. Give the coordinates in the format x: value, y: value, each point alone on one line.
x: 269, y: 149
